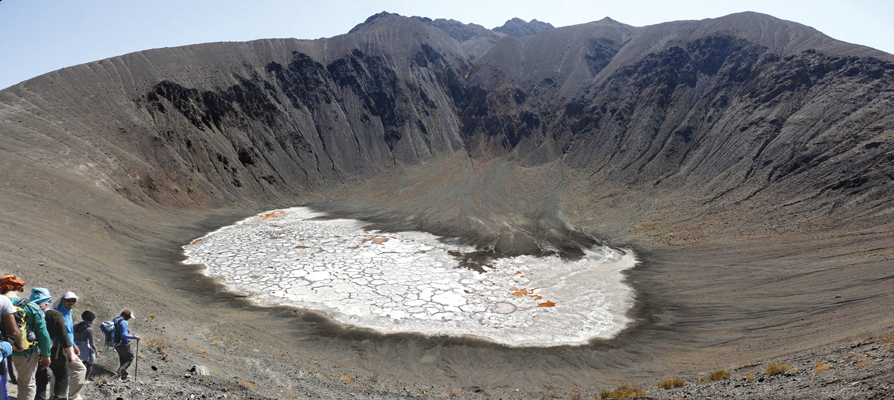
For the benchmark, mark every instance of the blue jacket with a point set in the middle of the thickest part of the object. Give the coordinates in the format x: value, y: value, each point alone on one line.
x: 121, y: 329
x: 69, y: 324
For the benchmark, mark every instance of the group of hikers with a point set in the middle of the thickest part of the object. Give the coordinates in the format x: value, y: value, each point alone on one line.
x: 39, y: 338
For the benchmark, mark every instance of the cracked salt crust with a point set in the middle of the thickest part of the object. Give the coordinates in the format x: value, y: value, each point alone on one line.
x: 407, y: 281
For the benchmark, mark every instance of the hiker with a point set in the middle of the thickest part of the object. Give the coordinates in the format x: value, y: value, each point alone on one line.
x: 8, y: 310
x: 8, y: 326
x: 74, y: 368
x: 83, y: 335
x: 35, y: 359
x: 5, y: 352
x: 123, y: 336
x: 10, y: 330
x: 61, y: 353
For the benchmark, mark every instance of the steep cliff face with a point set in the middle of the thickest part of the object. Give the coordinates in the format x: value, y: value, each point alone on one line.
x: 742, y: 129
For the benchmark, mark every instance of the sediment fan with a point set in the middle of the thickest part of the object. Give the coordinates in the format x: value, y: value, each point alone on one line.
x: 750, y: 161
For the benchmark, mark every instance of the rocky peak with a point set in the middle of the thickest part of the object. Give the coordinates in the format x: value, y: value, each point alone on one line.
x: 518, y: 27
x: 372, y: 20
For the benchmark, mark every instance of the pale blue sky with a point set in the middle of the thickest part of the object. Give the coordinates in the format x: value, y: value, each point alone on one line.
x: 39, y: 36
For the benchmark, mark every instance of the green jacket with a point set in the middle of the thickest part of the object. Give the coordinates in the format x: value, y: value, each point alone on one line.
x: 35, y: 319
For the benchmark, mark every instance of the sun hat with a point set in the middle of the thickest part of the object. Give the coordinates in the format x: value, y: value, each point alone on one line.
x: 66, y: 295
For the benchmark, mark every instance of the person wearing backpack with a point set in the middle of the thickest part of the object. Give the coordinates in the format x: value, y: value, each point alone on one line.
x: 75, y: 368
x: 122, y: 342
x: 83, y: 335
x: 9, y: 328
x: 62, y: 352
x: 36, y: 358
x: 10, y: 331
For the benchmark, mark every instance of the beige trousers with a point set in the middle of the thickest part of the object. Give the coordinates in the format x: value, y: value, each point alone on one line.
x: 25, y: 368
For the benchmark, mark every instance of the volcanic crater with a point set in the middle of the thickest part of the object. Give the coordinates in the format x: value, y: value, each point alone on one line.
x: 748, y: 162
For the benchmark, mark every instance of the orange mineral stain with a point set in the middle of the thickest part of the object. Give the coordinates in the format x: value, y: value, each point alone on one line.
x: 547, y: 304
x: 273, y: 214
x: 375, y: 240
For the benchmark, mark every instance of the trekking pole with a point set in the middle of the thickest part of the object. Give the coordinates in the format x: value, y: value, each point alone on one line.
x: 136, y: 369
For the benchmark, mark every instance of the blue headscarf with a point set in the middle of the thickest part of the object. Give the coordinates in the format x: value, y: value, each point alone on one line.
x: 40, y: 295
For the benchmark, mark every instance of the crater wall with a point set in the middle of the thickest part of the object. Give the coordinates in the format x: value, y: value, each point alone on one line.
x: 751, y: 161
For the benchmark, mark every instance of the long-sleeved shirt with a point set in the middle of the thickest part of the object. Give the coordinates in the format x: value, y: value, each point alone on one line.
x: 121, y: 326
x: 36, y: 320
x: 83, y: 332
x: 56, y: 328
x: 69, y: 323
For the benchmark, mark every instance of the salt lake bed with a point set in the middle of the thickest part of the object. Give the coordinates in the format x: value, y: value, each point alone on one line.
x: 412, y: 282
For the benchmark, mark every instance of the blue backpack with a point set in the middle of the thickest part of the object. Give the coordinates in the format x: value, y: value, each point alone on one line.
x: 110, y: 331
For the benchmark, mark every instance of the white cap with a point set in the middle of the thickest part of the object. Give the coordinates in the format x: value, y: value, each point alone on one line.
x: 69, y: 295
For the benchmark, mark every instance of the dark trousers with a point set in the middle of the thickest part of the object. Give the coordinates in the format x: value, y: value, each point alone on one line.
x: 125, y: 357
x: 42, y: 379
x: 89, y: 374
x: 11, y: 371
x: 59, y: 366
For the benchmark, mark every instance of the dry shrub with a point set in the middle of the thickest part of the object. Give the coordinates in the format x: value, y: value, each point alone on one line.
x: 253, y: 386
x: 574, y: 396
x: 550, y: 395
x: 155, y: 343
x: 373, y: 378
x: 715, y: 376
x: 623, y: 391
x: 864, y: 364
x: 776, y: 369
x: 821, y: 367
x: 347, y: 378
x: 671, y: 383
x: 887, y: 340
